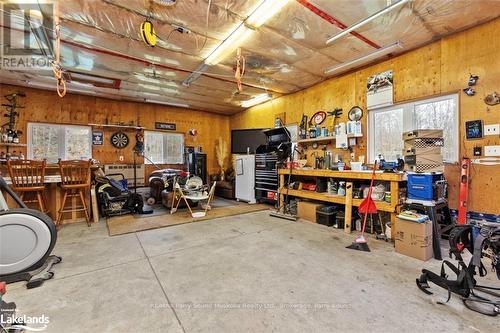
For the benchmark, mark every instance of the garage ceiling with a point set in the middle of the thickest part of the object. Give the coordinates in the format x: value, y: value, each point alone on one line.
x: 286, y: 54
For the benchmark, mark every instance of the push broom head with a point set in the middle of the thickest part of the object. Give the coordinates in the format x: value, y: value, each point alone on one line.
x: 359, y: 244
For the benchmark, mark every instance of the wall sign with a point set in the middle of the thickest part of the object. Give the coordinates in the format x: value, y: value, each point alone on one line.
x: 97, y: 138
x: 166, y: 126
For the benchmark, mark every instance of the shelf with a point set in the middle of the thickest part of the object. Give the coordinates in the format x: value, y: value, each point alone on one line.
x: 7, y: 144
x: 326, y: 138
x: 346, y: 174
x: 381, y: 205
x: 117, y: 126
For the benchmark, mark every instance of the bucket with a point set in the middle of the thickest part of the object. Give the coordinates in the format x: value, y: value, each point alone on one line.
x: 388, y: 230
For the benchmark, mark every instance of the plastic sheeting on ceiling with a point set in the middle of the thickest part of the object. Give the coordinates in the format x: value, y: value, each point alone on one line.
x: 288, y: 53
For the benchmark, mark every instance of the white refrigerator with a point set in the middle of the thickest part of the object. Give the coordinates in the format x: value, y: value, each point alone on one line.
x: 245, y: 178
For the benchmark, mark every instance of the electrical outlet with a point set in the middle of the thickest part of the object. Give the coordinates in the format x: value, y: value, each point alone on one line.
x: 491, y: 150
x: 477, y: 151
x: 493, y: 129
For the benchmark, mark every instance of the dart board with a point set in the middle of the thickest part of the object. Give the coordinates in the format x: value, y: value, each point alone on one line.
x: 119, y: 140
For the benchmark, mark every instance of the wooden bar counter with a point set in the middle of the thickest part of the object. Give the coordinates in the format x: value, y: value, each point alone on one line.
x: 53, y: 195
x: 394, y: 179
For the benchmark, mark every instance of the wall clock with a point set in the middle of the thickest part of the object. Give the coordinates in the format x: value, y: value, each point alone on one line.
x: 355, y: 113
x: 119, y: 140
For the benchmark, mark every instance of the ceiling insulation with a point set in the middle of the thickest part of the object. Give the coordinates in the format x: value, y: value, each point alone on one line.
x: 287, y: 54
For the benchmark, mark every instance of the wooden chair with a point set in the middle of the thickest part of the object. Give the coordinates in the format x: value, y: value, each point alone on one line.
x: 75, y: 181
x: 28, y: 177
x: 208, y: 197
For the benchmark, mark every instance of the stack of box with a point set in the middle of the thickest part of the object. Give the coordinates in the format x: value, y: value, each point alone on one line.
x: 423, y: 150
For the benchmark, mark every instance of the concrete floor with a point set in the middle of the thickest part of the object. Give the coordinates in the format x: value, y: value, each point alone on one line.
x: 246, y: 273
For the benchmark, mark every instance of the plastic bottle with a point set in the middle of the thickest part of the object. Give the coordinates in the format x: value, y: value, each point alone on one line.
x: 15, y: 138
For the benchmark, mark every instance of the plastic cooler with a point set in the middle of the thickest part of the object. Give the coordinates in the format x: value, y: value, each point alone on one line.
x: 421, y: 185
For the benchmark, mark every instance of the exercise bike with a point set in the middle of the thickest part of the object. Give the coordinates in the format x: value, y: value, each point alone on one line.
x: 27, y: 237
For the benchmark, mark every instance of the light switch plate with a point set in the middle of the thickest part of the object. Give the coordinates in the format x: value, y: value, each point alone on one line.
x: 493, y: 129
x: 491, y: 150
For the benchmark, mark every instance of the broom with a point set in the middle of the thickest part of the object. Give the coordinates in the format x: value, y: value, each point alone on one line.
x: 367, y: 206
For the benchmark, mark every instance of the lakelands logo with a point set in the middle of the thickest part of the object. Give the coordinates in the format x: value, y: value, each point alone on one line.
x: 27, y: 35
x: 13, y: 323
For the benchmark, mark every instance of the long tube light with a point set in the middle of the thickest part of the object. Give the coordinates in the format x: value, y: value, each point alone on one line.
x: 256, y: 100
x: 259, y: 16
x: 364, y: 59
x: 181, y: 105
x: 367, y: 20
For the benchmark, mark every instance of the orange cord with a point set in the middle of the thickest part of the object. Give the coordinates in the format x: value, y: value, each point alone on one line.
x: 240, y: 69
x: 56, y: 65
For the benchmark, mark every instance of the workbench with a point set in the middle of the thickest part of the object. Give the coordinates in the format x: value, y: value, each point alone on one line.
x: 394, y: 179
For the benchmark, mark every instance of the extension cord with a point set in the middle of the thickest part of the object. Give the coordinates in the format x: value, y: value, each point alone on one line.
x: 181, y: 29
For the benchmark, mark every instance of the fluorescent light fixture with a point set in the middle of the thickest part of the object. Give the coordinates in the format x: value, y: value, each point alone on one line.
x: 91, y: 78
x: 149, y: 86
x: 85, y: 92
x: 142, y: 93
x: 364, y: 59
x: 264, y: 12
x: 158, y: 80
x: 181, y: 105
x: 259, y: 16
x: 366, y: 20
x: 158, y: 88
x: 256, y: 100
x: 229, y: 45
x: 51, y: 87
x: 195, y: 75
x: 158, y: 59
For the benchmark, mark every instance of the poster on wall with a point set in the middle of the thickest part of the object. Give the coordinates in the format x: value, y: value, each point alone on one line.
x: 97, y: 138
x: 380, y: 90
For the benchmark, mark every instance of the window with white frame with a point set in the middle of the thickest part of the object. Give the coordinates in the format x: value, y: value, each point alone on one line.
x: 163, y: 148
x: 386, y: 126
x: 52, y: 141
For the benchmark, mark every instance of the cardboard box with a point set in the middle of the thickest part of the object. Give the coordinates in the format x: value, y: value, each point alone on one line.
x: 414, y: 239
x: 423, y: 159
x: 423, y: 133
x: 307, y: 210
x: 411, y: 150
x: 425, y: 168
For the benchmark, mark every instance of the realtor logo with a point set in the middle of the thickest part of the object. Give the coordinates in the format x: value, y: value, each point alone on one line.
x: 27, y: 35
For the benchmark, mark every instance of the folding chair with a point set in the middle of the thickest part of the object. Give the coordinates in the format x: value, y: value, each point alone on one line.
x: 204, y: 197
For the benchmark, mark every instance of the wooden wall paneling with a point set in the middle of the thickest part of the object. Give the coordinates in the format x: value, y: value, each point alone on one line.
x: 475, y: 51
x: 438, y: 68
x: 46, y: 106
x: 417, y: 73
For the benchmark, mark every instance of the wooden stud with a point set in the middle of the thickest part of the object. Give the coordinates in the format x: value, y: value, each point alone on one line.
x: 348, y: 207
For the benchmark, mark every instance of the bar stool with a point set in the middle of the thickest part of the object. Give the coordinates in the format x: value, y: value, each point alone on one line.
x: 28, y: 177
x: 75, y: 180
